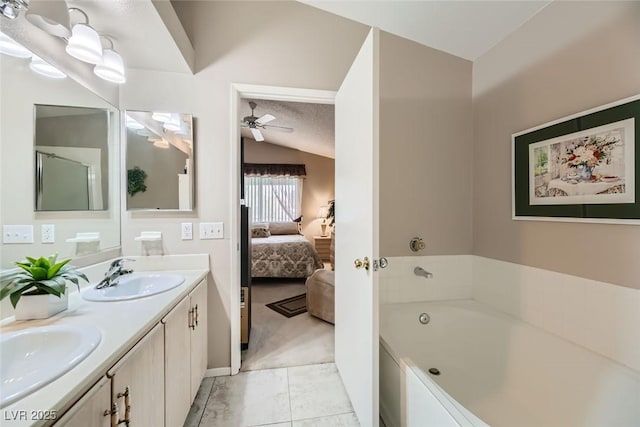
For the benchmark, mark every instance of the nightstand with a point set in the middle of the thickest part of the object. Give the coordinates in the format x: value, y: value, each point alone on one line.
x: 323, y: 246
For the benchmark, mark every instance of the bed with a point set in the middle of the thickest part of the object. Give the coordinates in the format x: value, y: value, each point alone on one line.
x: 283, y: 255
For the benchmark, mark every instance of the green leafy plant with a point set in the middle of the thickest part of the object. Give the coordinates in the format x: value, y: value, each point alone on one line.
x: 39, y: 277
x: 331, y: 212
x: 135, y: 181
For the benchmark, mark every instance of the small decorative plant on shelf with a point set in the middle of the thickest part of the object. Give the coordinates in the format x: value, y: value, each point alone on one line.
x: 41, y: 286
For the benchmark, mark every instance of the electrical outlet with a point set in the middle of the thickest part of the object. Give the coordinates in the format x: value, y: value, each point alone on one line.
x: 47, y: 233
x: 187, y: 231
x: 17, y: 234
x: 211, y: 230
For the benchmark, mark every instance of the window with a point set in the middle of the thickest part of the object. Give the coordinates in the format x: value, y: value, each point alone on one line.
x: 273, y: 198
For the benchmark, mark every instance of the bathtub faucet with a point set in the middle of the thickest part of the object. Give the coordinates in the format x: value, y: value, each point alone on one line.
x: 419, y: 271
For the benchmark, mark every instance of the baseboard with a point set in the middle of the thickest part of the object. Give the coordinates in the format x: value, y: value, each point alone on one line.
x: 218, y: 372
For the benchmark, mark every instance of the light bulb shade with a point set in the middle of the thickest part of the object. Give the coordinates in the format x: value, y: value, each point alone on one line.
x: 161, y: 143
x: 322, y: 212
x: 133, y: 124
x: 111, y: 68
x: 10, y: 47
x: 38, y: 65
x: 161, y: 117
x: 51, y: 16
x: 84, y: 44
x: 173, y: 124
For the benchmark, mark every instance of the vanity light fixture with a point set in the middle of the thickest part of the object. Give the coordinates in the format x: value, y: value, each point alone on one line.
x: 11, y: 8
x: 51, y: 16
x: 10, y: 47
x: 43, y: 68
x: 84, y: 43
x: 111, y: 68
x: 173, y: 124
x: 161, y: 143
x: 161, y: 117
x: 133, y: 124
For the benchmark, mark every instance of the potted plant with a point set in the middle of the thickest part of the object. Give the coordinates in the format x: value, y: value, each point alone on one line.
x: 41, y: 287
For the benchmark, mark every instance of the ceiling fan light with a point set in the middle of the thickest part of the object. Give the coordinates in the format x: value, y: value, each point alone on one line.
x: 111, y: 68
x: 257, y: 135
x: 51, y: 16
x: 11, y: 8
x: 84, y: 44
x: 10, y: 47
x: 38, y: 65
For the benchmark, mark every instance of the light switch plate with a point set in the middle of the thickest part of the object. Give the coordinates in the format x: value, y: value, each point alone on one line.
x: 186, y: 231
x: 211, y: 230
x: 48, y: 233
x: 12, y: 234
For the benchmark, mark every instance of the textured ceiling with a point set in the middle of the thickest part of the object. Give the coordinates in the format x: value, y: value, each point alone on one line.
x: 463, y: 28
x: 313, y: 125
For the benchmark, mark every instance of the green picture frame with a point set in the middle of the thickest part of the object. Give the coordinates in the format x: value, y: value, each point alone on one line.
x: 581, y: 168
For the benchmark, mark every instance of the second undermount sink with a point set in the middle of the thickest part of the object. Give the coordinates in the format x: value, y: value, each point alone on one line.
x: 135, y: 286
x: 33, y: 357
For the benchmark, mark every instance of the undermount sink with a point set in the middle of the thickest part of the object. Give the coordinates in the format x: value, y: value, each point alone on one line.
x: 32, y: 358
x: 135, y: 286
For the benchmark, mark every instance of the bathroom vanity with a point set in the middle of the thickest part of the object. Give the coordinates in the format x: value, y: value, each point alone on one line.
x: 146, y: 369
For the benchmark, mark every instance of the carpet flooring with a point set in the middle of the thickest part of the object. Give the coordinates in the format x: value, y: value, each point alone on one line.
x: 277, y: 341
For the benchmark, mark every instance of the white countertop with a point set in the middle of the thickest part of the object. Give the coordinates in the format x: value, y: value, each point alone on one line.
x: 122, y: 324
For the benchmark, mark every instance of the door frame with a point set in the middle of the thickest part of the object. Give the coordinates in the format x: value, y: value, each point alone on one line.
x: 271, y: 93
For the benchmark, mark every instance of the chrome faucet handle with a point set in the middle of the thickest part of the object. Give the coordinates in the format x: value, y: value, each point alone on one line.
x: 119, y: 262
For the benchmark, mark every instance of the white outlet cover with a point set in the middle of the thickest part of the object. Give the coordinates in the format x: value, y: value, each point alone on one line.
x: 47, y: 233
x: 186, y: 231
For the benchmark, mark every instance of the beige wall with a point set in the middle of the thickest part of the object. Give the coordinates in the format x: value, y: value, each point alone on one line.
x: 570, y: 57
x: 270, y: 43
x: 425, y: 149
x: 318, y: 187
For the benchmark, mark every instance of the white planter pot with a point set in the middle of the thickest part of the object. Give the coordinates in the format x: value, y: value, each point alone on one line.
x: 40, y: 306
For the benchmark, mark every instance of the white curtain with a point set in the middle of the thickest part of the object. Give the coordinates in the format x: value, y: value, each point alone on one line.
x: 273, y: 198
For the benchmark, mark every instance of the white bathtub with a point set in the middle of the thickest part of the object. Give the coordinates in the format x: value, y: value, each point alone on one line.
x: 503, y: 371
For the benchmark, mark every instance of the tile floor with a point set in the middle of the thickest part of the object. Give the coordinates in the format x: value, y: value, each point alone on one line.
x: 301, y: 396
x: 277, y: 341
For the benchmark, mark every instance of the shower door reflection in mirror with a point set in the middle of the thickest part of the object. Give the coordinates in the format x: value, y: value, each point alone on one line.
x: 71, y: 145
x: 160, y: 159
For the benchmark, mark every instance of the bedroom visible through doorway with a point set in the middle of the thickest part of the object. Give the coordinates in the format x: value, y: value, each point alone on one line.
x: 287, y: 183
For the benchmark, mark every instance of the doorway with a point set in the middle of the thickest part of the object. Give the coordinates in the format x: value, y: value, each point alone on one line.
x: 287, y: 181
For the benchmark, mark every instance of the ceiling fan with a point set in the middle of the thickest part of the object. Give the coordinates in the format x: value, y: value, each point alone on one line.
x: 256, y: 123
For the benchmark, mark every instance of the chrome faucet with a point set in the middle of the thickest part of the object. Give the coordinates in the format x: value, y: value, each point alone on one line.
x: 112, y: 276
x: 419, y: 271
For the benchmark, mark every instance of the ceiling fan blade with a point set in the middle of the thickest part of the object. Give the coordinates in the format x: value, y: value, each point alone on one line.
x: 265, y: 119
x: 278, y: 128
x: 257, y: 135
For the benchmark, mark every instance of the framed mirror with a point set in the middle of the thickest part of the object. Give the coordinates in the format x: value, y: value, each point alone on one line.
x: 30, y: 128
x: 72, y: 158
x: 159, y: 161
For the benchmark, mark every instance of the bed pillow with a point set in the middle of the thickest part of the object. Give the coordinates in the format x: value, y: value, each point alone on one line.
x: 260, y: 232
x: 276, y: 228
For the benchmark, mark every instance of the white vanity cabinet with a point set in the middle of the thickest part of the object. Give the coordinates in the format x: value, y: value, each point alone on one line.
x: 92, y: 410
x: 137, y: 382
x: 185, y: 331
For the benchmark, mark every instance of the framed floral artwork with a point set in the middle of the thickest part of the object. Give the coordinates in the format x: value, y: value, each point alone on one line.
x: 580, y: 168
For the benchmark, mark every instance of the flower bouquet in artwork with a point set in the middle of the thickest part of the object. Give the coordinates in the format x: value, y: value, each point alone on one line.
x: 586, y: 154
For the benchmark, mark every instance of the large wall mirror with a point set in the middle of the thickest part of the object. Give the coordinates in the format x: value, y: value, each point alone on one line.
x: 160, y: 159
x: 72, y: 158
x: 59, y: 164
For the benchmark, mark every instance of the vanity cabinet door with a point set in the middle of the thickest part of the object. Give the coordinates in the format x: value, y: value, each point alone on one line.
x: 177, y: 360
x: 138, y: 382
x: 92, y: 410
x: 198, y: 336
